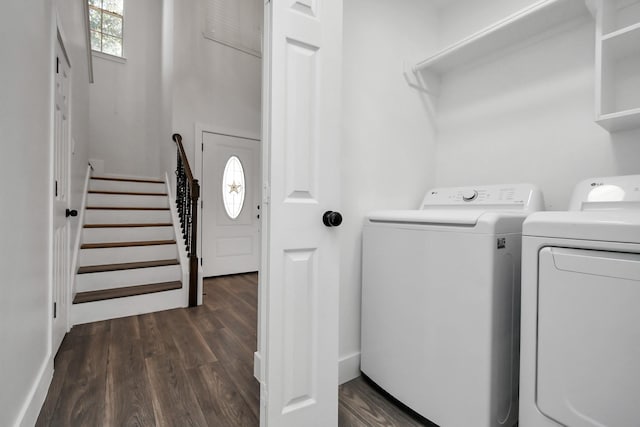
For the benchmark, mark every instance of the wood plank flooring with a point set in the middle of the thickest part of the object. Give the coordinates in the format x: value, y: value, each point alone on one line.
x: 363, y: 405
x: 184, y: 367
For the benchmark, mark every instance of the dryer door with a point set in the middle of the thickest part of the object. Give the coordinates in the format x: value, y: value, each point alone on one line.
x: 589, y: 337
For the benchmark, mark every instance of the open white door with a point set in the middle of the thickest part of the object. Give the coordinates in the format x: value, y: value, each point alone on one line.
x: 61, y: 160
x: 300, y: 265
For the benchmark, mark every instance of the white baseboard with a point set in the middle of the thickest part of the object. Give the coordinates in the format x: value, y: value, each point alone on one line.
x: 31, y: 409
x: 349, y: 367
x: 97, y: 165
x: 257, y: 366
x: 76, y: 247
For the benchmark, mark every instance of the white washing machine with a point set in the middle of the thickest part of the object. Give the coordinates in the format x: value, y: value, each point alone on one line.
x: 580, y: 347
x: 440, y: 294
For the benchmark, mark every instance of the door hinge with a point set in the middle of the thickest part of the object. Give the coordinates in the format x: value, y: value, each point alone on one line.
x: 57, y: 65
x: 200, y: 262
x: 266, y: 193
x: 55, y: 310
x: 201, y: 204
x: 202, y: 147
x: 56, y: 188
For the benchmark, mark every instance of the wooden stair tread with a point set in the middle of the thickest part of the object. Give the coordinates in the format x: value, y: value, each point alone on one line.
x: 127, y: 291
x: 127, y: 244
x: 108, y: 178
x: 126, y: 208
x: 127, y: 193
x: 126, y: 266
x: 150, y: 224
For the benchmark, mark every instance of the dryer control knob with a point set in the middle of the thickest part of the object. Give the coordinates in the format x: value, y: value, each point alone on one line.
x: 468, y: 196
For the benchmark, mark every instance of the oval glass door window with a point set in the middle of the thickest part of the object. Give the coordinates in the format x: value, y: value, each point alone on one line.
x: 233, y: 188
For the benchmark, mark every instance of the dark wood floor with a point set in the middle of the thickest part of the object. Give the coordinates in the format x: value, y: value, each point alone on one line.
x: 184, y: 367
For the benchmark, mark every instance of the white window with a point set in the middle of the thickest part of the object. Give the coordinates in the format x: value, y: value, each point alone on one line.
x: 106, y: 22
x: 235, y: 23
x: 233, y: 189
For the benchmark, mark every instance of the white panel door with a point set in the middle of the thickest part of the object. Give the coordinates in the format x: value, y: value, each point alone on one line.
x: 230, y: 236
x: 61, y: 157
x: 301, y: 125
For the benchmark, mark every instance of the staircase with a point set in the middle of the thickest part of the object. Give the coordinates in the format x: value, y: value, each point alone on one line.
x: 128, y: 260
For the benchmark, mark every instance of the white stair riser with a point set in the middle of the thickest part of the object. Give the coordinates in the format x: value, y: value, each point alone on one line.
x: 138, y: 187
x: 126, y: 234
x: 93, y: 216
x: 130, y: 306
x: 126, y: 200
x: 137, y: 276
x: 128, y: 254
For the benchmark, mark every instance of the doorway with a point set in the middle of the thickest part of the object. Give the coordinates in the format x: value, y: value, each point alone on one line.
x: 230, y: 188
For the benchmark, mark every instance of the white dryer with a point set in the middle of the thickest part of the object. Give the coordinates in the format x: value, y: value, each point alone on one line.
x: 440, y: 294
x: 580, y: 347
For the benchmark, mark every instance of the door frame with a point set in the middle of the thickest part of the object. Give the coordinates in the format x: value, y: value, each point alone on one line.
x: 234, y: 133
x: 200, y: 128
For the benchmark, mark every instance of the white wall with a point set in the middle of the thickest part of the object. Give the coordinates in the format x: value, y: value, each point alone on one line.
x: 166, y: 146
x: 388, y: 142
x: 461, y: 18
x: 27, y: 37
x: 527, y: 115
x: 212, y: 84
x: 126, y: 101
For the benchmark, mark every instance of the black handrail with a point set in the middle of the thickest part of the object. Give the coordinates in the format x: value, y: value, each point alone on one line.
x: 187, y: 195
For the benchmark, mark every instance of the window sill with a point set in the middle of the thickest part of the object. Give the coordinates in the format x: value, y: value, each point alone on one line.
x: 108, y: 57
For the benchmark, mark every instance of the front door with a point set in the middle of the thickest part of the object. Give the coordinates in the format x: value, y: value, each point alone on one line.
x: 61, y: 158
x: 300, y: 265
x: 230, y: 204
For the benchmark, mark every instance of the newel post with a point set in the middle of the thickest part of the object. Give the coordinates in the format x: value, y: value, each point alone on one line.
x: 193, y: 246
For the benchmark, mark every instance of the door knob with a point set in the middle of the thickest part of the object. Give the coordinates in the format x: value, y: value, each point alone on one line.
x: 71, y: 212
x: 332, y: 219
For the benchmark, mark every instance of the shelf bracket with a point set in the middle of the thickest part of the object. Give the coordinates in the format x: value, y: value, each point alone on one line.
x: 422, y: 81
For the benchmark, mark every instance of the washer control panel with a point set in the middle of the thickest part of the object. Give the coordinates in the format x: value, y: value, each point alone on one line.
x: 511, y: 197
x: 469, y: 195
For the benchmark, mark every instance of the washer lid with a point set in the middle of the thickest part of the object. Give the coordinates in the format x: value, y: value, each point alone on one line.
x: 443, y: 217
x: 471, y: 220
x: 608, y: 226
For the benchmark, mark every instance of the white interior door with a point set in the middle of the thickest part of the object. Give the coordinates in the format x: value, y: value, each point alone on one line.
x: 301, y: 126
x: 61, y: 158
x: 230, y: 204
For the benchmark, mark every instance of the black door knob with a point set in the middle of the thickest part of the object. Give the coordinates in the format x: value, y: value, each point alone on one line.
x: 332, y: 219
x: 71, y: 212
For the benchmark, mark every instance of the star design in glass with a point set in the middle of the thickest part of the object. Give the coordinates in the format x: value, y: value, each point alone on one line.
x: 234, y: 188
